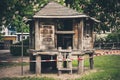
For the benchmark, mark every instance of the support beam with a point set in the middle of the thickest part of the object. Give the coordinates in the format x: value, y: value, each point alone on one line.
x: 69, y: 63
x: 37, y: 45
x: 80, y: 35
x: 91, y: 61
x: 38, y: 64
x: 80, y: 64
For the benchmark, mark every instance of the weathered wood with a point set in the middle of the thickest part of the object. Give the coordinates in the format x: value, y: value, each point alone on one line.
x: 37, y: 46
x: 47, y: 37
x: 80, y: 64
x: 52, y: 31
x: 80, y: 35
x: 38, y: 65
x: 75, y: 36
x: 92, y: 36
x: 69, y: 65
x: 59, y: 72
x: 46, y: 53
x: 65, y: 69
x: 54, y: 52
x: 91, y: 61
x: 64, y: 60
x: 87, y: 43
x: 64, y: 32
x: 59, y: 61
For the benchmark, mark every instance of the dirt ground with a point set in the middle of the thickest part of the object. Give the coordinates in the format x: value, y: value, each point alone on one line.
x: 15, y: 71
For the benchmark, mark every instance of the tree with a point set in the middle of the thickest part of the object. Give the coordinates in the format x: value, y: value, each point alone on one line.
x: 13, y: 12
x: 107, y: 11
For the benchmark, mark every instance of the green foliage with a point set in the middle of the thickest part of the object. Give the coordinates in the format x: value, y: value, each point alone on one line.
x: 110, y: 38
x: 1, y: 38
x: 107, y: 11
x: 77, y: 4
x: 16, y: 50
x: 114, y: 37
x: 15, y: 12
x: 20, y: 24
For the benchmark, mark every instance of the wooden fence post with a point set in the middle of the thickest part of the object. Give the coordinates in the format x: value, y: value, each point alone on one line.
x: 38, y: 64
x: 80, y: 64
x: 69, y: 64
x: 91, y: 60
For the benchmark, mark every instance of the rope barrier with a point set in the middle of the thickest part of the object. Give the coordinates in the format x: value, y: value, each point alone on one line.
x: 97, y: 53
x: 6, y: 61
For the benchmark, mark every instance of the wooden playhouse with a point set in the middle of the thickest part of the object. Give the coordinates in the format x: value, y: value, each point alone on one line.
x: 57, y: 35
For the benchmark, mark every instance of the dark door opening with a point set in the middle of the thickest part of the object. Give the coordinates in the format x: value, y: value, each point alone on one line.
x: 64, y: 40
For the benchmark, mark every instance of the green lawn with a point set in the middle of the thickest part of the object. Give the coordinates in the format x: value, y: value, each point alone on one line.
x: 108, y: 68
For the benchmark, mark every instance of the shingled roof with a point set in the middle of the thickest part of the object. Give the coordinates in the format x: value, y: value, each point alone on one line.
x: 55, y: 10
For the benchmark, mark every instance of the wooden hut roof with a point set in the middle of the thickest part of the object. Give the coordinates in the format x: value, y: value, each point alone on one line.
x: 55, y: 10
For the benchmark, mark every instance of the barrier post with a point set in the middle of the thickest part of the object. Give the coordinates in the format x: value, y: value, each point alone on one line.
x: 91, y: 60
x: 38, y: 64
x: 80, y: 64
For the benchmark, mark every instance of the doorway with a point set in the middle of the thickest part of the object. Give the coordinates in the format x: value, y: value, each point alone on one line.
x: 64, y: 40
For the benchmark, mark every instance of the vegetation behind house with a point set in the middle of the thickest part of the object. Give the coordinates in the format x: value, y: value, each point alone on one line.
x: 16, y: 49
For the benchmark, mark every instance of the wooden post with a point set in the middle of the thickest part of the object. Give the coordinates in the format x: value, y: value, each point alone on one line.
x: 59, y: 61
x: 37, y: 40
x: 91, y: 60
x: 80, y: 35
x: 69, y: 65
x: 80, y: 46
x: 65, y: 62
x: 38, y: 64
x: 37, y: 47
x: 80, y: 64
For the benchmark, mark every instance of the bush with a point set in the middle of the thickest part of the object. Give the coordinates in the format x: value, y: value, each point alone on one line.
x: 16, y: 49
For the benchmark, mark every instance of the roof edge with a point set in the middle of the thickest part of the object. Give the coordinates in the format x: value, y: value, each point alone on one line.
x: 74, y: 16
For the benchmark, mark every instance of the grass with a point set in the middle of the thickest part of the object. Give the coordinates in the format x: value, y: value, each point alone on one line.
x: 108, y: 68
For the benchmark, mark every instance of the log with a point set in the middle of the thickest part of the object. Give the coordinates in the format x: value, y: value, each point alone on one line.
x: 91, y: 61
x: 38, y: 65
x: 80, y: 64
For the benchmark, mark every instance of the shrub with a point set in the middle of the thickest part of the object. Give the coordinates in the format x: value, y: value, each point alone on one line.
x: 16, y: 49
